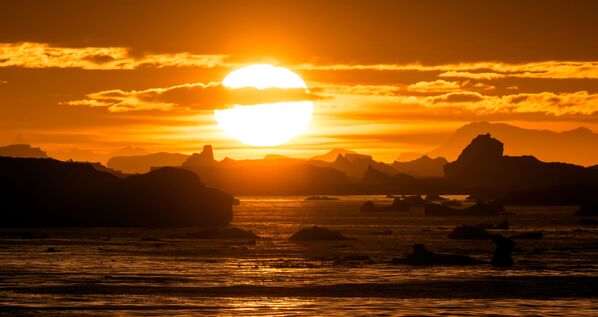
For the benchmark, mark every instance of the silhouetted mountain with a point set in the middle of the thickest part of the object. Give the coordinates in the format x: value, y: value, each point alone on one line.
x: 22, y: 150
x: 578, y: 146
x: 408, y: 156
x: 79, y: 155
x: 373, y: 176
x: 85, y: 155
x: 355, y: 165
x: 128, y: 151
x: 205, y: 158
x: 422, y: 167
x: 144, y: 163
x: 46, y: 192
x: 271, y: 177
x: 482, y: 165
x: 332, y: 155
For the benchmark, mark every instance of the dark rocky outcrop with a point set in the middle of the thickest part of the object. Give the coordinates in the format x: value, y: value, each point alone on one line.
x: 528, y: 235
x: 22, y: 235
x: 414, y: 200
x: 467, y: 232
x: 46, y: 192
x: 225, y: 233
x: 422, y: 256
x: 588, y: 222
x: 316, y: 233
x: 482, y: 165
x: 479, y: 209
x: 588, y: 209
x: 434, y: 198
x: 203, y: 159
x: 502, y: 253
x: 576, y: 146
x: 451, y: 203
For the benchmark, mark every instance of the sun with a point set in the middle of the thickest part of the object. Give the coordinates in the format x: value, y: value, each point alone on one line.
x: 265, y: 124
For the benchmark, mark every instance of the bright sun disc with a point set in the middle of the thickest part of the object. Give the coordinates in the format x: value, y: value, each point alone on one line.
x: 265, y: 124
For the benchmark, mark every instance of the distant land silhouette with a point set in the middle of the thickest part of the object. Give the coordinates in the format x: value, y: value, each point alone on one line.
x: 332, y: 155
x: 22, y: 150
x: 47, y: 192
x: 422, y: 167
x: 354, y: 165
x: 576, y: 146
x: 86, y: 155
x: 481, y: 169
x: 482, y: 164
x: 268, y: 176
x: 144, y: 163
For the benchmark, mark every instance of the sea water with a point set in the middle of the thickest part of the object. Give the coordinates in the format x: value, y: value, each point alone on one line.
x: 150, y: 272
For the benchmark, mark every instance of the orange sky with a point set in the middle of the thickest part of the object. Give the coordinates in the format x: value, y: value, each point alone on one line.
x: 389, y: 76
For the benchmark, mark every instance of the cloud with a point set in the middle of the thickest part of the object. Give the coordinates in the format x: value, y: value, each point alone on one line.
x: 40, y: 55
x: 439, y: 85
x: 456, y: 97
x: 443, y: 86
x: 373, y: 103
x: 480, y: 70
x: 43, y: 55
x: 549, y: 103
x: 196, y: 96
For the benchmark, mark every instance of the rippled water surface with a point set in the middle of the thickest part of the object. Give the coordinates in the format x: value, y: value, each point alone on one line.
x: 145, y: 272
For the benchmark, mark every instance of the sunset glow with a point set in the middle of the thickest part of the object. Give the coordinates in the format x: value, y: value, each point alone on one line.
x: 264, y: 124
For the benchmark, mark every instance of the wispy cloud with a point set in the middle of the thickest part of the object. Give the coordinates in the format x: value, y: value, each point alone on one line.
x: 40, y: 55
x: 381, y: 101
x: 195, y: 96
x: 480, y: 70
x: 43, y: 55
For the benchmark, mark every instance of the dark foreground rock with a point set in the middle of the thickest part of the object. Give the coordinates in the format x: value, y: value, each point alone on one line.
x: 588, y: 209
x: 316, y: 233
x: 479, y: 209
x: 47, y: 192
x: 588, y: 222
x: 467, y: 232
x: 422, y: 256
x: 504, y: 250
x: 22, y: 235
x: 229, y: 233
x: 528, y: 235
